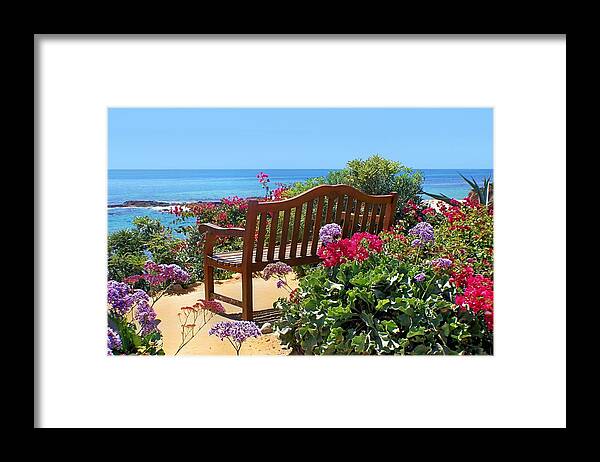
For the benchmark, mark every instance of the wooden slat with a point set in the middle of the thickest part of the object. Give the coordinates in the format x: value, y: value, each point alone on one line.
x: 292, y: 262
x: 262, y: 230
x: 226, y: 299
x: 348, y: 217
x: 356, y: 218
x: 335, y: 213
x: 284, y: 234
x: 365, y: 216
x: 296, y: 229
x: 317, y: 226
x: 381, y: 218
x: 307, y: 225
x: 341, y: 210
x: 373, y: 217
x: 273, y: 235
x: 328, y: 213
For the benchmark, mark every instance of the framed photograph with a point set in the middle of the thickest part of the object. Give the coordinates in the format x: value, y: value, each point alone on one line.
x: 300, y: 220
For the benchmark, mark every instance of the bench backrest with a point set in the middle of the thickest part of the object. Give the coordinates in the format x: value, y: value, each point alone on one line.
x: 288, y: 230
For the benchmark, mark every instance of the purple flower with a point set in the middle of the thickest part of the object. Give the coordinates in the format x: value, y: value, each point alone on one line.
x: 235, y: 331
x: 114, y: 341
x: 122, y: 298
x: 441, y: 263
x: 275, y: 269
x: 146, y: 316
x: 424, y: 231
x: 420, y: 277
x: 416, y: 243
x: 330, y: 232
x: 157, y: 274
x: 280, y: 283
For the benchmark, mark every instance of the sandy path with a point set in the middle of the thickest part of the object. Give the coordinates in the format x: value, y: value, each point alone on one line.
x: 265, y: 293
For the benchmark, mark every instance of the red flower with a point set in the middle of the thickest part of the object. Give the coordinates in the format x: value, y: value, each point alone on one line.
x: 478, y: 294
x: 356, y: 248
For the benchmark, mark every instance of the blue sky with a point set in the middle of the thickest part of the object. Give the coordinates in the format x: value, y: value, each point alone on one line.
x: 145, y: 138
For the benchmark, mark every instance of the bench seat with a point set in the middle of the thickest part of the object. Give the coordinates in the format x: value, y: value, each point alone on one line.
x: 234, y: 258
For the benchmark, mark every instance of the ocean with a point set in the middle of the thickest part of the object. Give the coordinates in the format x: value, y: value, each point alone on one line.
x: 197, y: 185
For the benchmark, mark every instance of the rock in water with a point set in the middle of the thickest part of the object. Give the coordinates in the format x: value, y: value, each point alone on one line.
x: 266, y: 328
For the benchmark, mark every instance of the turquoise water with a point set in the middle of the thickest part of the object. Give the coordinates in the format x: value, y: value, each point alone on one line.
x: 197, y: 185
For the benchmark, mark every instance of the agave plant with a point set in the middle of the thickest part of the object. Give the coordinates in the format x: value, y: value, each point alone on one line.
x: 483, y: 193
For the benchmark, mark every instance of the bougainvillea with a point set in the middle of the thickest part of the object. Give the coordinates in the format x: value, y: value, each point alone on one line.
x: 477, y: 294
x: 356, y: 248
x: 264, y: 180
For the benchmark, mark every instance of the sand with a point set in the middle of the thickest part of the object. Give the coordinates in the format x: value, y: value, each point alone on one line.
x: 265, y: 293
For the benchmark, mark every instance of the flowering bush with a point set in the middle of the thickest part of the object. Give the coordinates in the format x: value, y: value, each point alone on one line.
x: 423, y: 289
x: 374, y: 175
x: 128, y: 249
x: 229, y: 212
x: 133, y: 327
x: 380, y: 305
x: 131, y: 314
x: 477, y: 294
x: 236, y: 332
x: 264, y: 180
x: 356, y: 248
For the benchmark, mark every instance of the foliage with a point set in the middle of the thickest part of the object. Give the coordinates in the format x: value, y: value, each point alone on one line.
x: 132, y: 323
x: 377, y: 307
x: 375, y: 175
x: 132, y: 340
x: 129, y: 249
x: 428, y: 289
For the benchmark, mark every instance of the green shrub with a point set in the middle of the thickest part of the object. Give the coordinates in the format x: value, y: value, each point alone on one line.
x: 375, y: 175
x: 377, y: 307
x: 129, y: 249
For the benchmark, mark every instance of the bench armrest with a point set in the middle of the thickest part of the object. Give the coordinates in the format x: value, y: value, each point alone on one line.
x: 220, y: 231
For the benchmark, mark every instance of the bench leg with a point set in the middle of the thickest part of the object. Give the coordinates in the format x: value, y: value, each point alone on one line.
x: 209, y: 282
x: 247, y: 314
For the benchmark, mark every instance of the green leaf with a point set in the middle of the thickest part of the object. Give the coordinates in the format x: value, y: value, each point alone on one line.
x: 446, y: 330
x: 382, y: 304
x: 421, y: 350
x: 359, y: 343
x: 415, y: 332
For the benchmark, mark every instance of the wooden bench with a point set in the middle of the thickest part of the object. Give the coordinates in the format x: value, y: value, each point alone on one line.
x: 288, y: 231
